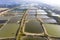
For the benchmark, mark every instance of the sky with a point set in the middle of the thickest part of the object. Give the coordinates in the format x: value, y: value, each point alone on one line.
x: 8, y: 1
x: 51, y: 2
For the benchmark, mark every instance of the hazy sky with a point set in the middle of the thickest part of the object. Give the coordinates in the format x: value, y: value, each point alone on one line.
x: 52, y: 2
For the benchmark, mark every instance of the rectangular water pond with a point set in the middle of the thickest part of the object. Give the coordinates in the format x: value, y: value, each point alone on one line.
x: 42, y: 16
x: 33, y: 26
x: 48, y: 20
x: 30, y: 17
x: 15, y: 19
x: 3, y: 21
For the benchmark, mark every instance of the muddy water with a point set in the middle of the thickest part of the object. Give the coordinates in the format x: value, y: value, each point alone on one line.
x: 33, y: 26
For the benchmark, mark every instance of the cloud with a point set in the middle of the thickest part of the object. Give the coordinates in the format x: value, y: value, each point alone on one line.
x: 52, y: 2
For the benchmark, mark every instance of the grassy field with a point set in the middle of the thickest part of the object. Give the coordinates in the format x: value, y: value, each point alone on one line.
x: 53, y: 30
x: 9, y: 31
x: 33, y: 38
x: 1, y: 25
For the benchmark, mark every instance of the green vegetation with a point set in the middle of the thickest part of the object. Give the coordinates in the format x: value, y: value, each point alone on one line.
x: 9, y: 30
x: 53, y: 30
x: 1, y: 25
x: 33, y: 38
x: 55, y: 38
